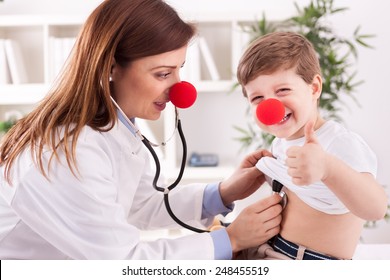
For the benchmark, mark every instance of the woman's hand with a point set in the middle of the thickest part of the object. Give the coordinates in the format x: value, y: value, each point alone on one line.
x: 256, y: 224
x: 245, y: 180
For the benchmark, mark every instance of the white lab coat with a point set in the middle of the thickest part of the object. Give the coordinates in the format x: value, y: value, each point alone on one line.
x: 99, y: 214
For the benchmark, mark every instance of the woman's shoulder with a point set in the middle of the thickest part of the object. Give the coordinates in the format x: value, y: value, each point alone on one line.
x: 118, y: 138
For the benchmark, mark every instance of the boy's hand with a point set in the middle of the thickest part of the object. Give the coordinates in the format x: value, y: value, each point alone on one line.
x: 307, y: 164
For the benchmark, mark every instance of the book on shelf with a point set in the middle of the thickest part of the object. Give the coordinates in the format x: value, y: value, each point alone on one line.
x: 15, y: 61
x: 208, y: 59
x: 191, y: 69
x: 59, y: 50
x: 4, y: 71
x: 240, y: 42
x: 198, y: 51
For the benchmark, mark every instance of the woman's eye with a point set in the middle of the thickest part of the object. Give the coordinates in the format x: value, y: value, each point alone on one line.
x: 163, y: 75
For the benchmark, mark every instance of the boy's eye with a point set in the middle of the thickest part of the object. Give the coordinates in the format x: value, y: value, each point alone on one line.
x: 282, y: 90
x: 256, y: 99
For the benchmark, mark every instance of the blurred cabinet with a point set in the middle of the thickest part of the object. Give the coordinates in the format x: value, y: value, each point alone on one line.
x: 35, y: 49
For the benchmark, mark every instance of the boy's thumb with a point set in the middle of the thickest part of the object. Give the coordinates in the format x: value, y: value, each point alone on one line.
x: 310, y: 134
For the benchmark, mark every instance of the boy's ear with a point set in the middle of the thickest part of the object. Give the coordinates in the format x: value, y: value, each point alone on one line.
x: 317, y: 86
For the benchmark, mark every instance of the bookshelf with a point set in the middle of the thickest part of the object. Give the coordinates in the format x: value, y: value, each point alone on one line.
x: 210, y: 67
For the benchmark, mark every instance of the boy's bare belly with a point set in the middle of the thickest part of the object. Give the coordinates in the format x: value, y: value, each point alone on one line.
x: 334, y: 235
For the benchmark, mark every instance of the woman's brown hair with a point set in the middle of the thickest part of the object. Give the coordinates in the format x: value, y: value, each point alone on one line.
x: 119, y: 31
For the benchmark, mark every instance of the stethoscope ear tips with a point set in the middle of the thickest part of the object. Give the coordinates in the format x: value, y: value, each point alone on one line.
x: 270, y: 111
x: 183, y: 94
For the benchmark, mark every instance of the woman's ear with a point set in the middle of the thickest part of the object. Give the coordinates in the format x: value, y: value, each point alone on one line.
x: 317, y: 86
x: 113, y: 71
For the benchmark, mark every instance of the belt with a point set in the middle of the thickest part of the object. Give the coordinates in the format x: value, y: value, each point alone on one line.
x: 295, y: 251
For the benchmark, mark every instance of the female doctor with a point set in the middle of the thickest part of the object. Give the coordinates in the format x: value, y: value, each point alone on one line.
x: 76, y: 179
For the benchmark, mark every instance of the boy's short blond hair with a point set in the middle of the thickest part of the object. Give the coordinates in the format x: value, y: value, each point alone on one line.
x: 278, y: 51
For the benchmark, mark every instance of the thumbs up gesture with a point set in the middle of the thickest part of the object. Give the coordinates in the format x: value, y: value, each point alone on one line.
x: 307, y: 164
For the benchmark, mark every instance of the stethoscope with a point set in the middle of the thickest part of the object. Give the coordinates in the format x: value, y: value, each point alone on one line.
x: 278, y: 188
x: 182, y: 95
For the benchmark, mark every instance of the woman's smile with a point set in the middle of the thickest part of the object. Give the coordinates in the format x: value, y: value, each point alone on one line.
x: 160, y: 105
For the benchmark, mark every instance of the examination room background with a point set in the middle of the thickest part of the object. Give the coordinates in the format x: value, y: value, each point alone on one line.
x: 370, y: 119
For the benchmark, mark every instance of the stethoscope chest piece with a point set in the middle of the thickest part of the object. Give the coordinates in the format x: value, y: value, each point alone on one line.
x: 277, y: 187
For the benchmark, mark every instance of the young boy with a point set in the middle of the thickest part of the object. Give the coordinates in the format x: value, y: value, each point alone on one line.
x: 327, y: 172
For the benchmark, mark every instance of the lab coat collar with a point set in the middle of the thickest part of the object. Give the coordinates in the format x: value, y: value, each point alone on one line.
x: 123, y: 120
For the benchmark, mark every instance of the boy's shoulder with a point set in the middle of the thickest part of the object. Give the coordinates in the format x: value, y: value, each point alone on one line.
x: 333, y: 133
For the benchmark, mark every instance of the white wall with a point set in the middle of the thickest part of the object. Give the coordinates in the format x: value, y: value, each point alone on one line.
x: 369, y: 120
x: 47, y: 6
x: 187, y: 6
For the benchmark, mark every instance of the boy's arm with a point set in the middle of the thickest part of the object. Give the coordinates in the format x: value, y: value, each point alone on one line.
x: 365, y: 199
x: 358, y: 191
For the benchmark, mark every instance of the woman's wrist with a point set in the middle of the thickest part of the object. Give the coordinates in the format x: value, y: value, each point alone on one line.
x: 224, y: 192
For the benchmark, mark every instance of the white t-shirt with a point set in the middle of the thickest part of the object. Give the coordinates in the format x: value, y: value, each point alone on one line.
x: 334, y: 139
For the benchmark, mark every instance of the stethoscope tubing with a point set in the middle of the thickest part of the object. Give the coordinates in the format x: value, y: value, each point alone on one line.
x: 176, y: 182
x: 149, y: 145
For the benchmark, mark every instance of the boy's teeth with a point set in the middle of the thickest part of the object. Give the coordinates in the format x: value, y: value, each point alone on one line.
x: 285, y: 118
